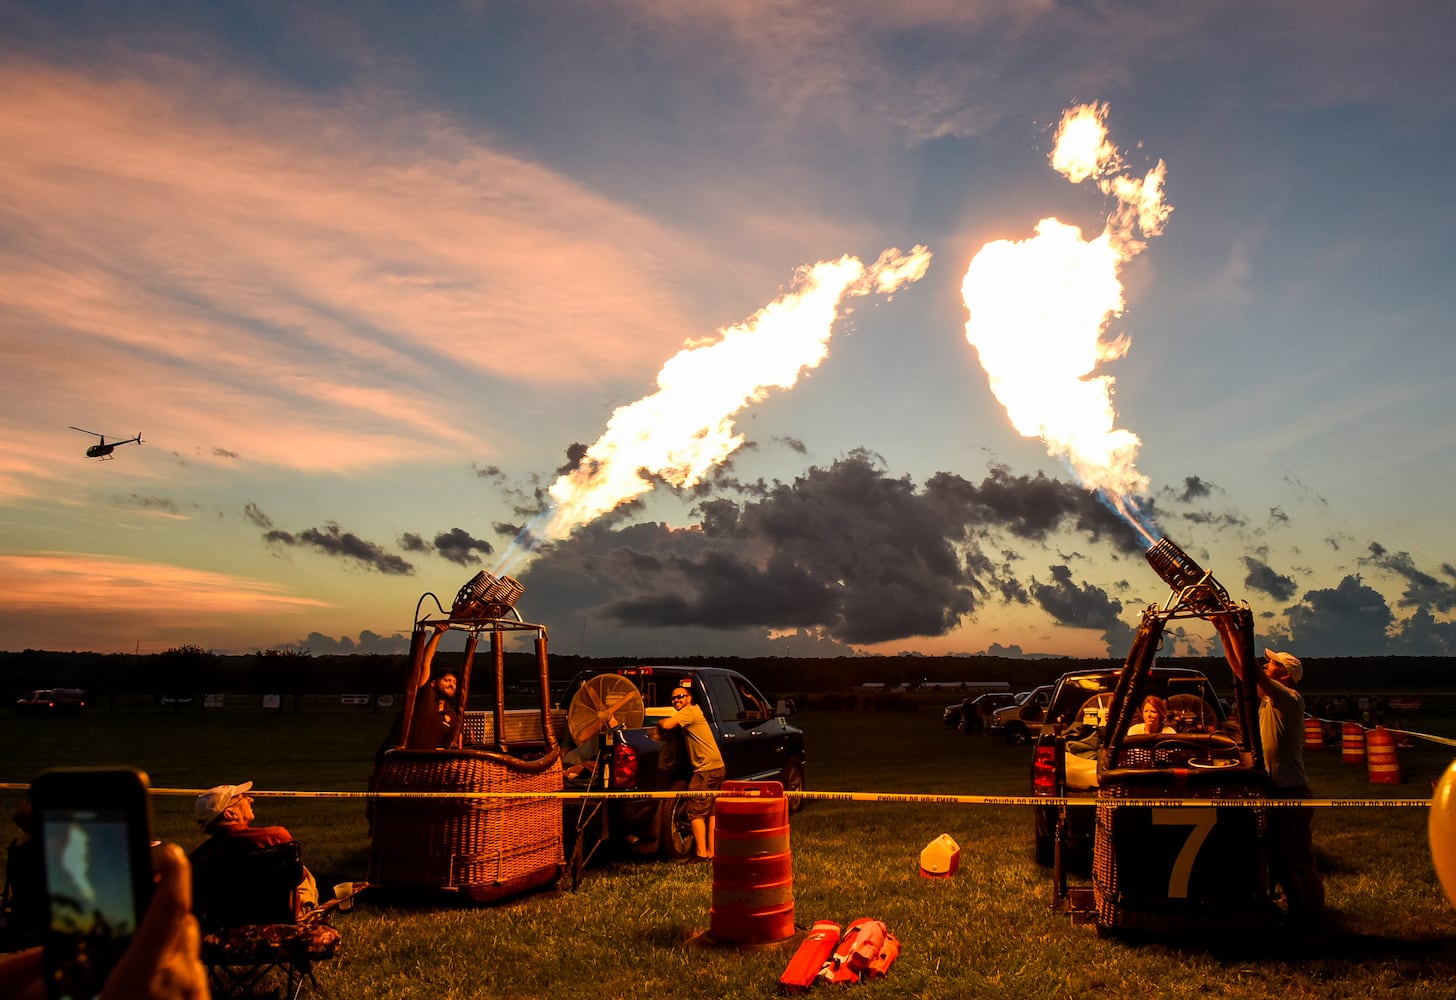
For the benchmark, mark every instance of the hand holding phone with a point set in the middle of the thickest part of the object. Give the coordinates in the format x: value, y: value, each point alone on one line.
x: 95, y: 833
x: 164, y: 960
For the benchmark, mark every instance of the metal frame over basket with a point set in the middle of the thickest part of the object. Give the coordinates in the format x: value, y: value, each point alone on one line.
x: 1160, y: 864
x: 485, y: 848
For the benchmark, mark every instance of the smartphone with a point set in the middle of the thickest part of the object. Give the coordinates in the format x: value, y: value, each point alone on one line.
x: 95, y: 830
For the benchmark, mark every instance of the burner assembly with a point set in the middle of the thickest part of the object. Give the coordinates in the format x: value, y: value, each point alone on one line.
x: 487, y: 596
x: 1193, y: 587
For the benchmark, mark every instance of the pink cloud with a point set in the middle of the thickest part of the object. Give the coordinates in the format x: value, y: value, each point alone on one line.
x: 303, y: 283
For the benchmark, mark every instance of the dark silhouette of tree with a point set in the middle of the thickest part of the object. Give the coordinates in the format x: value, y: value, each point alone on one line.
x: 184, y: 670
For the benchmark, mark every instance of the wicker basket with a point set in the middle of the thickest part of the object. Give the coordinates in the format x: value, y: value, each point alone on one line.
x: 484, y: 848
x: 1180, y: 869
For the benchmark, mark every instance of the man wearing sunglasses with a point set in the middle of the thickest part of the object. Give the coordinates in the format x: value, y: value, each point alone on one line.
x: 708, y: 769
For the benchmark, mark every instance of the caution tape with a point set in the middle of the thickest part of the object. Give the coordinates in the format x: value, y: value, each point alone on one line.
x: 1428, y: 737
x: 1442, y: 740
x: 912, y: 798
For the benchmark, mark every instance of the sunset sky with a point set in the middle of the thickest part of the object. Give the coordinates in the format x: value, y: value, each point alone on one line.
x: 368, y: 278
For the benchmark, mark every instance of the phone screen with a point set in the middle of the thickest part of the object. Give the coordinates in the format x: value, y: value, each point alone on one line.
x: 92, y: 896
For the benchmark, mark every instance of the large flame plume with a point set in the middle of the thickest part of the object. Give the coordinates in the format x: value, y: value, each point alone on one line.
x: 1039, y: 309
x: 685, y: 429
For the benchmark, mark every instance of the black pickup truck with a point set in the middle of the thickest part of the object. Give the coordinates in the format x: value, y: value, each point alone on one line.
x: 756, y: 742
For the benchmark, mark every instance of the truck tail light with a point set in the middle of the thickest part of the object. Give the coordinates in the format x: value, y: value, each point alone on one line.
x: 624, y: 766
x: 1044, y: 771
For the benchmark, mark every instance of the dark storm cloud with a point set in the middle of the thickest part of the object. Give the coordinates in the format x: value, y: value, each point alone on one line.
x: 333, y: 540
x: 411, y: 542
x: 252, y: 512
x: 1084, y: 606
x: 1349, y: 620
x: 1423, y: 591
x: 1195, y: 488
x: 1228, y: 519
x: 728, y: 593
x: 847, y: 551
x: 575, y: 456
x: 1422, y: 635
x: 459, y: 547
x: 722, y: 480
x: 1261, y: 577
x: 1031, y: 507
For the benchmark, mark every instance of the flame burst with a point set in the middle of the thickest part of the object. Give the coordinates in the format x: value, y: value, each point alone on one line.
x: 685, y: 428
x: 1039, y: 309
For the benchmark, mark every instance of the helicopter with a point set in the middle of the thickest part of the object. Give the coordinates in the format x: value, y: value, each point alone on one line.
x: 103, y: 448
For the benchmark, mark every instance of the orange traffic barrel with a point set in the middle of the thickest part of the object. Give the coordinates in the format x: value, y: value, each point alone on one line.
x: 1381, y: 763
x: 1314, y: 733
x: 753, y: 879
x: 1352, y: 744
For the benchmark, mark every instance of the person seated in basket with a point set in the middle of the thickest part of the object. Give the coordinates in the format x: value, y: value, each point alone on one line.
x: 225, y: 813
x: 436, y: 712
x: 1154, y: 716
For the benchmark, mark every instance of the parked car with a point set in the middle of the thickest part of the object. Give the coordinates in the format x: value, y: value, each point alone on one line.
x: 52, y: 701
x: 1019, y: 723
x: 957, y: 716
x: 1063, y: 762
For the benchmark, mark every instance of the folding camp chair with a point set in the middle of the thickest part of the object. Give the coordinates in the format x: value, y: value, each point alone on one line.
x: 244, y: 901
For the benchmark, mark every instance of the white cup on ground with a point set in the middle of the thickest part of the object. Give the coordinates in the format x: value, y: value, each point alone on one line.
x: 344, y: 893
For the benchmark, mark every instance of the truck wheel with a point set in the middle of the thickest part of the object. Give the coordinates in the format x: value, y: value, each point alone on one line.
x: 792, y: 779
x: 1017, y: 733
x: 675, y: 830
x: 1046, y: 846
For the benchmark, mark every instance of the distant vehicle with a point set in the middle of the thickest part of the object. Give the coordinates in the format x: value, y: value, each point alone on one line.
x: 980, y: 708
x: 103, y: 448
x: 1021, y: 722
x: 52, y: 701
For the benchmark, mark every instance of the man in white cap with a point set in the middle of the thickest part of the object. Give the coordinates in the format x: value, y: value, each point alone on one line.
x: 225, y: 813
x: 1281, y: 731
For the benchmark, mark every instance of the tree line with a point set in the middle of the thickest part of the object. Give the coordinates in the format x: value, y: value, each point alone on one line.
x: 192, y: 670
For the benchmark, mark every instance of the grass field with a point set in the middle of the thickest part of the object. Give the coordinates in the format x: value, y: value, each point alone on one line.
x: 632, y: 929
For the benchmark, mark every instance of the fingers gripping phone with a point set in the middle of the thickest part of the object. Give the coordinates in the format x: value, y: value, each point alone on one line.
x: 95, y: 828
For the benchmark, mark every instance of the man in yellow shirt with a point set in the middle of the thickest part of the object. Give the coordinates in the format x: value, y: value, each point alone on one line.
x: 708, y: 769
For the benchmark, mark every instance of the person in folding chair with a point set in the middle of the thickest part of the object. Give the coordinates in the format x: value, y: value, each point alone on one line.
x: 225, y: 813
x: 257, y: 903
